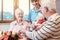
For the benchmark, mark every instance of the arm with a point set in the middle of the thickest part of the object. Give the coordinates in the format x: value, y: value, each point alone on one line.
x: 43, y: 33
x: 31, y: 35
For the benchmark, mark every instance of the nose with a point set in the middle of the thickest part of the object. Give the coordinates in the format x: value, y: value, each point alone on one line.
x: 21, y: 16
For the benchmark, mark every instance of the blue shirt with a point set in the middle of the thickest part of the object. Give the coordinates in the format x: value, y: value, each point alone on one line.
x: 33, y: 14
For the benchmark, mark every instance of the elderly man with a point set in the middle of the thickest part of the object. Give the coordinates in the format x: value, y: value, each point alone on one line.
x: 50, y: 30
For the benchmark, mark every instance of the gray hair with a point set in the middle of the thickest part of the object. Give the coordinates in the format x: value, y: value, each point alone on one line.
x: 18, y: 10
x: 51, y: 4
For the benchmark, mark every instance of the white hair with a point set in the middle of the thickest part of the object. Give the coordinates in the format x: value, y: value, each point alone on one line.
x: 50, y: 4
x: 18, y: 10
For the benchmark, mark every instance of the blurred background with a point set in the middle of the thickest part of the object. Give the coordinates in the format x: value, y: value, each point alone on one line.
x: 7, y: 10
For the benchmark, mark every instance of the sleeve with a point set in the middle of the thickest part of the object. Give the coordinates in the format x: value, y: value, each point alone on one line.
x: 31, y: 35
x: 46, y: 31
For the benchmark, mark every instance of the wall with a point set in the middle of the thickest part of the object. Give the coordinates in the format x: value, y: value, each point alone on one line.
x: 58, y: 6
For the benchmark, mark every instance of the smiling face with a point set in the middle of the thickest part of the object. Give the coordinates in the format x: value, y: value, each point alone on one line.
x: 35, y: 2
x: 19, y: 15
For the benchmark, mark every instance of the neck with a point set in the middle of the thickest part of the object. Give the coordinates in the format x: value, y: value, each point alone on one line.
x: 19, y: 21
x: 50, y: 15
x: 37, y: 7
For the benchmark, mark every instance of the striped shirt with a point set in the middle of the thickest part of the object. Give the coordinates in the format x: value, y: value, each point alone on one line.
x: 49, y: 31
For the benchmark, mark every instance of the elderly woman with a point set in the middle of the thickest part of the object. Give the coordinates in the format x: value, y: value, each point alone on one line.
x: 19, y: 24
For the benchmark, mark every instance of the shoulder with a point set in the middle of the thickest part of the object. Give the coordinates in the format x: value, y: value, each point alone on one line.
x: 26, y: 22
x: 31, y: 9
x: 55, y: 18
x: 13, y: 23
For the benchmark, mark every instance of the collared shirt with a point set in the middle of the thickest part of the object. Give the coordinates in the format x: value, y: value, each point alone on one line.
x: 16, y: 27
x: 50, y: 29
x: 33, y: 14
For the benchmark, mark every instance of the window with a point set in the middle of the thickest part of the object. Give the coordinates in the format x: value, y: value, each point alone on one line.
x: 31, y: 6
x: 24, y: 5
x: 7, y: 8
x: 0, y: 10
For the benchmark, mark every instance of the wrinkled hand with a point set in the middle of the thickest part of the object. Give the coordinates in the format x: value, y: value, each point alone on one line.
x: 38, y: 27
